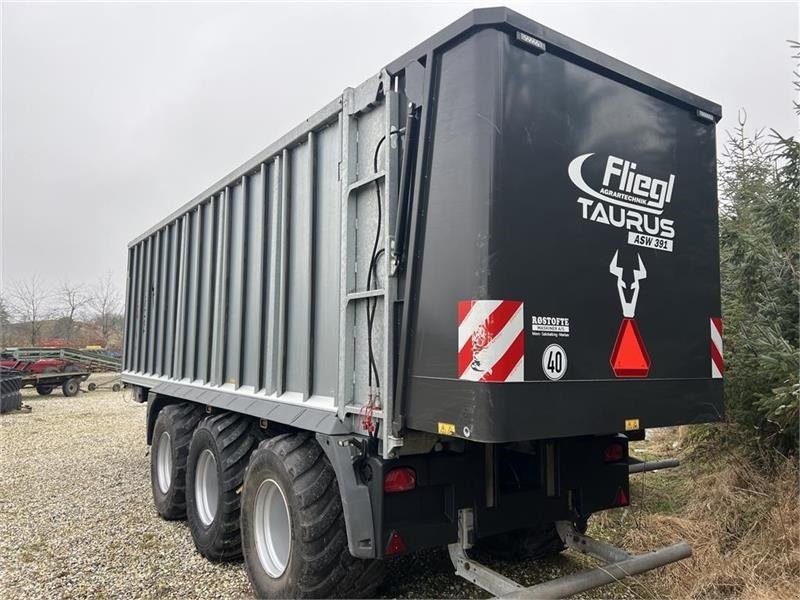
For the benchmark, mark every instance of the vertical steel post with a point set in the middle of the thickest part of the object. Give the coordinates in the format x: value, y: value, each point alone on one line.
x: 272, y: 353
x: 180, y: 311
x: 261, y: 256
x: 308, y: 367
x: 244, y: 258
x: 346, y: 175
x: 283, y: 261
x: 219, y: 336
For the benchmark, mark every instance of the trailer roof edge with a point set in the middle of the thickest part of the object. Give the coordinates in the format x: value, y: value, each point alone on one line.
x: 321, y: 118
x: 506, y: 18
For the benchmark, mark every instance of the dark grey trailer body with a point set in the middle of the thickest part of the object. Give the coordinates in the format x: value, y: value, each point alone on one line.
x: 484, y: 270
x: 547, y: 186
x: 254, y: 296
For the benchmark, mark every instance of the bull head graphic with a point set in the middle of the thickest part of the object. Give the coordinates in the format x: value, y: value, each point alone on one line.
x: 628, y: 307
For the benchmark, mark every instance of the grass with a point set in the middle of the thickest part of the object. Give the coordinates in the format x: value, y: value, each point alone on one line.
x: 742, y: 521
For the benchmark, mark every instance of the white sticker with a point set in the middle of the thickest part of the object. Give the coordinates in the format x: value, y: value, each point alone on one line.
x: 554, y: 362
x: 649, y: 241
x: 549, y: 326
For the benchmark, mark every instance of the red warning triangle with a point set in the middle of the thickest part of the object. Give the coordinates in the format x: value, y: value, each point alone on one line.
x: 629, y: 357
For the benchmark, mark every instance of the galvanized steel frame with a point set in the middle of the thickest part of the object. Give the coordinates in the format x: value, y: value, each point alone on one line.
x: 184, y: 276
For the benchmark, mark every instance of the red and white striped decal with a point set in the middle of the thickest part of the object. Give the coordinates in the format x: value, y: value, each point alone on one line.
x: 491, y: 340
x: 717, y: 364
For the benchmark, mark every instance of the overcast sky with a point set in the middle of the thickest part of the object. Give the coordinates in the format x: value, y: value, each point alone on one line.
x: 113, y: 115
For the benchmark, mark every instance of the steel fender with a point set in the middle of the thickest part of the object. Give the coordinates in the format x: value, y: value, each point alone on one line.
x: 155, y: 402
x: 356, y: 502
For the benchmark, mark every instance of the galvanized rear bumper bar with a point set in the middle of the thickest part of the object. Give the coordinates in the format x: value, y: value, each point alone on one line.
x: 618, y: 564
x: 641, y: 466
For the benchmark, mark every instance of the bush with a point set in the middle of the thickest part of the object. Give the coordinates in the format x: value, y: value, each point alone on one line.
x: 760, y: 187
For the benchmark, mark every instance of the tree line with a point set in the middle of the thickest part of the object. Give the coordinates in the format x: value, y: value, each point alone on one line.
x: 69, y: 310
x: 759, y: 184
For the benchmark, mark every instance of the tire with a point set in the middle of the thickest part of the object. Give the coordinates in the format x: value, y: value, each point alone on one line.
x: 530, y: 543
x: 91, y: 387
x: 116, y: 387
x: 46, y: 389
x: 291, y: 475
x: 71, y: 387
x: 10, y: 385
x: 218, y: 455
x: 10, y: 402
x: 172, y: 433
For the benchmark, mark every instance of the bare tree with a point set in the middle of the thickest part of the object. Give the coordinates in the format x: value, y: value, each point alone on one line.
x: 29, y: 301
x: 5, y: 320
x: 106, y: 304
x: 72, y: 298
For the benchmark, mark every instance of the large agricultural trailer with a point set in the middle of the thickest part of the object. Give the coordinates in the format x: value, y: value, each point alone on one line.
x: 435, y: 313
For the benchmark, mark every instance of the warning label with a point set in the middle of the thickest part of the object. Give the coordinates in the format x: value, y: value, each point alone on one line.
x: 550, y: 326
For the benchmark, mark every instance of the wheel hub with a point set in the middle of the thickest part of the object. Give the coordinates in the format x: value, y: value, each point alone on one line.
x: 272, y: 528
x: 206, y: 487
x: 164, y: 462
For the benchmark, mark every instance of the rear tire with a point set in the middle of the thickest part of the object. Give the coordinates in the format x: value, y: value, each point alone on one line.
x: 169, y: 450
x: 71, y: 387
x: 293, y: 531
x: 44, y: 389
x: 218, y: 456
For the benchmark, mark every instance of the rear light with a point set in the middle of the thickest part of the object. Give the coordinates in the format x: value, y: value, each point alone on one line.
x: 396, y: 544
x: 400, y: 479
x: 614, y: 453
x: 621, y: 499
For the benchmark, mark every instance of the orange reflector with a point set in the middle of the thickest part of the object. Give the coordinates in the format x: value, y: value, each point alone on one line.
x: 396, y: 544
x: 629, y: 357
x: 400, y: 479
x: 621, y: 499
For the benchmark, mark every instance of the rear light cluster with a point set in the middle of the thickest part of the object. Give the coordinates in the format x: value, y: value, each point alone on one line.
x: 400, y: 479
x: 614, y: 453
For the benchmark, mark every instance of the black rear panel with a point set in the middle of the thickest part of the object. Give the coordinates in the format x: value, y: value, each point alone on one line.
x: 542, y: 170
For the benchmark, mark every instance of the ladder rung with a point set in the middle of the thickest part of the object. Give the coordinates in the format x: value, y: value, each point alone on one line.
x: 366, y: 181
x: 366, y: 294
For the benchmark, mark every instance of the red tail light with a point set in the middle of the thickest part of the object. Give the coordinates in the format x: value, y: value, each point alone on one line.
x: 621, y: 499
x: 614, y: 453
x: 400, y: 479
x: 396, y: 544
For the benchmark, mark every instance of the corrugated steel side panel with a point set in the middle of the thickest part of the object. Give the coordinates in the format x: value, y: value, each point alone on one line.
x: 225, y: 294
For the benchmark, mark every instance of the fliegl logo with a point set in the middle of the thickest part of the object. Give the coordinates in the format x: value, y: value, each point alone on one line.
x: 627, y: 199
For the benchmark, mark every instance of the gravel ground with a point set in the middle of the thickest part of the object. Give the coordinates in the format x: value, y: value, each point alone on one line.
x: 77, y: 520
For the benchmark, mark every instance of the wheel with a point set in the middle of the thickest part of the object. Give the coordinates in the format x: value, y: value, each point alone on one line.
x: 10, y: 401
x: 529, y: 543
x: 91, y: 387
x: 10, y: 385
x: 169, y: 450
x: 218, y: 456
x: 44, y: 390
x: 71, y: 387
x: 116, y: 387
x: 293, y: 532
